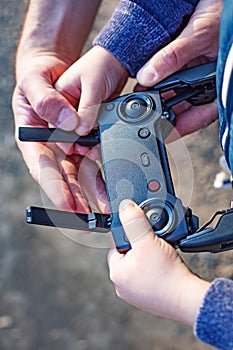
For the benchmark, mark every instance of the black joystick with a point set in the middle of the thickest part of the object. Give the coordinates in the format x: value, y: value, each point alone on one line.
x: 136, y: 107
x: 161, y: 215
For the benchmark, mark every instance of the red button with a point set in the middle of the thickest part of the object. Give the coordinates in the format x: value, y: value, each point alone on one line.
x: 154, y: 186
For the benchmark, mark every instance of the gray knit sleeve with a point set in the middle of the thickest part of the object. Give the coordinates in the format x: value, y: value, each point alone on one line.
x: 139, y: 28
x: 214, y: 323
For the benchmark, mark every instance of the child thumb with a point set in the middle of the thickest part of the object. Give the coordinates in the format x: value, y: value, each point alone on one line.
x: 136, y: 226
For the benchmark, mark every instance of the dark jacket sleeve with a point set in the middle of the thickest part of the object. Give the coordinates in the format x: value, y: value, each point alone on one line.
x: 137, y: 29
x: 214, y: 323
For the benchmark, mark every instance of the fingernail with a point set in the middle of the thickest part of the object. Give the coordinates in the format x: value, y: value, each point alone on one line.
x: 147, y: 75
x: 82, y: 128
x: 67, y: 120
x: 125, y: 203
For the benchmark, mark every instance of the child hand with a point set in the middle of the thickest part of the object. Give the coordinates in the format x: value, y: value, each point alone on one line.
x: 94, y: 78
x: 152, y: 276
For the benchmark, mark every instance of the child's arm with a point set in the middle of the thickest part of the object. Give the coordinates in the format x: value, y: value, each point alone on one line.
x: 139, y: 28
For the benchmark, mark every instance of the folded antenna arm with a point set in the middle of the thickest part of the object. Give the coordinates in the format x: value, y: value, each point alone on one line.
x: 94, y: 222
x: 212, y: 240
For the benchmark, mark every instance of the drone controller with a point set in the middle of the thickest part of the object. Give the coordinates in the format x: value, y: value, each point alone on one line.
x: 131, y: 133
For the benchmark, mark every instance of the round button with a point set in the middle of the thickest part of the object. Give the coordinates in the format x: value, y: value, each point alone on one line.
x: 154, y: 186
x: 110, y: 106
x: 144, y: 133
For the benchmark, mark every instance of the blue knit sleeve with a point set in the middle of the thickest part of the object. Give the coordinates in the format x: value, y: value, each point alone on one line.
x: 139, y: 28
x: 214, y: 323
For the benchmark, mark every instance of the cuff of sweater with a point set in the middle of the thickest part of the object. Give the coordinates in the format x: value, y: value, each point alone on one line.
x: 214, y: 323
x: 132, y: 48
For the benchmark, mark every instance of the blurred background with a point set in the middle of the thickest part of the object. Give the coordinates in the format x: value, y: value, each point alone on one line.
x: 56, y: 294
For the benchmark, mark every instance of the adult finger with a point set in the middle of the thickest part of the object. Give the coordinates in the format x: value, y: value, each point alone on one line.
x: 69, y: 168
x: 48, y: 104
x: 196, y: 44
x: 43, y: 167
x: 91, y: 181
x: 193, y: 119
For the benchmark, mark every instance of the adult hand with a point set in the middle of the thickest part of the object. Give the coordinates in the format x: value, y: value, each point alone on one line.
x: 152, y: 276
x: 198, y: 43
x: 46, y: 49
x: 36, y: 103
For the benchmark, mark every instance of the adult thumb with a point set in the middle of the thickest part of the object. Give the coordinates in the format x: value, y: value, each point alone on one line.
x: 167, y: 61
